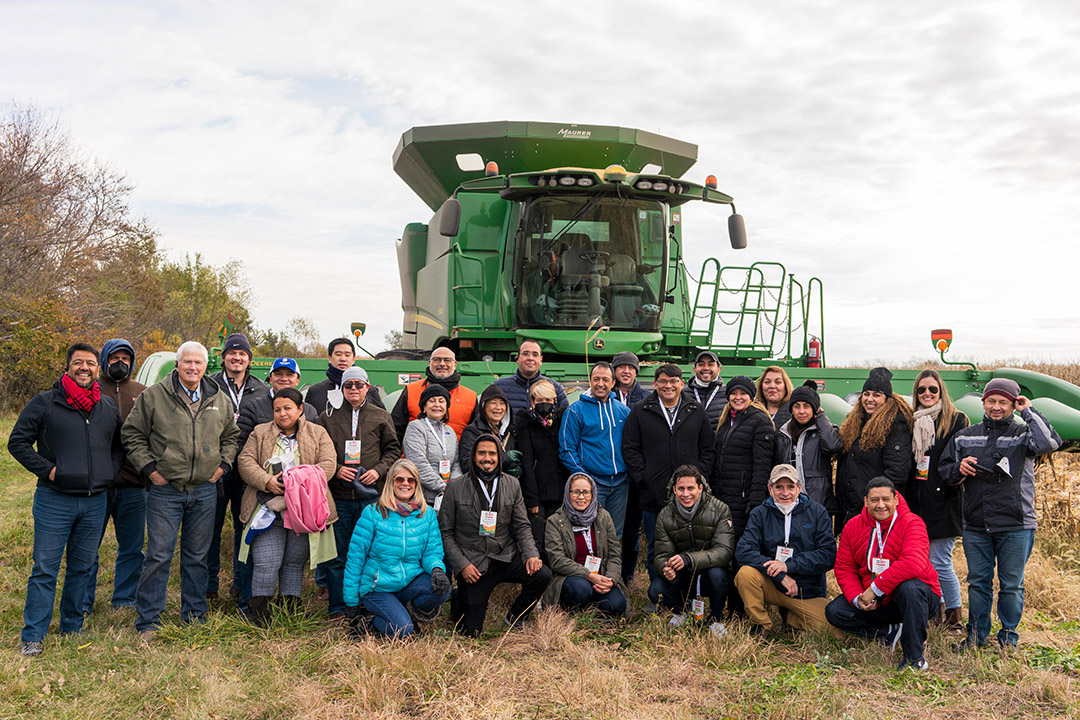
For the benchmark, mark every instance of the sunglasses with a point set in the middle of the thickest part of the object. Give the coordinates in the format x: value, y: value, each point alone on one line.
x: 354, y: 384
x: 932, y: 389
x: 405, y: 480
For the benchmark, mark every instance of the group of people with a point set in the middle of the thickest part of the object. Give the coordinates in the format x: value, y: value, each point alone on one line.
x: 450, y: 494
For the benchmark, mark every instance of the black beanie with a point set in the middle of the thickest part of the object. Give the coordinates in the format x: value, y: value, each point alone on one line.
x: 236, y: 341
x: 432, y: 391
x: 879, y: 380
x: 807, y: 393
x: 740, y: 382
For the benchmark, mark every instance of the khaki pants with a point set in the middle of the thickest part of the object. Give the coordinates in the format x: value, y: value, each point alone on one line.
x: 758, y: 592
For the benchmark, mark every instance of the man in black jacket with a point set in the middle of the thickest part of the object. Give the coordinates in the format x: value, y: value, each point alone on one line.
x: 327, y: 394
x: 664, y: 431
x: 707, y: 387
x: 77, y: 456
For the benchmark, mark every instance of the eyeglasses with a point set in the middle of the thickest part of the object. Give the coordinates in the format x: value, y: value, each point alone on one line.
x: 405, y: 480
x: 581, y: 493
x: 932, y: 389
x: 354, y: 384
x: 664, y: 383
x: 442, y: 361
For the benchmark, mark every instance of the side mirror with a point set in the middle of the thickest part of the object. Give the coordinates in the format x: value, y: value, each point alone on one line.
x: 736, y: 231
x: 450, y: 217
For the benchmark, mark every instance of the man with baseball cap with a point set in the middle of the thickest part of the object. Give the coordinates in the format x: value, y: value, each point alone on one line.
x: 994, y: 461
x: 783, y: 554
x: 707, y: 387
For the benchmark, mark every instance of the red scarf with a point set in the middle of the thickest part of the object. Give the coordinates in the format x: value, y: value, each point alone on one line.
x: 78, y: 397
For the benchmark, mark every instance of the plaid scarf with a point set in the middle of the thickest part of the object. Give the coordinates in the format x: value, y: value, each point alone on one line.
x: 78, y: 397
x: 407, y: 509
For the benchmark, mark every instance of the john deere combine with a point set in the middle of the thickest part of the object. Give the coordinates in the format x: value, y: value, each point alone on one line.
x: 572, y: 235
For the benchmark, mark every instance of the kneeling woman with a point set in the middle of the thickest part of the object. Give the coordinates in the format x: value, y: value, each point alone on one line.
x: 395, y: 564
x: 279, y: 553
x: 584, y: 552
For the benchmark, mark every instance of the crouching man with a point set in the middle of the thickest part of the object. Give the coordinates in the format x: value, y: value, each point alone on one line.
x: 889, y: 588
x: 783, y: 555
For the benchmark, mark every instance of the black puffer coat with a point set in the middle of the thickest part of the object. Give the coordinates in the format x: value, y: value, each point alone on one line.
x: 933, y: 499
x: 812, y: 457
x: 543, y: 476
x: 742, y: 460
x: 857, y: 467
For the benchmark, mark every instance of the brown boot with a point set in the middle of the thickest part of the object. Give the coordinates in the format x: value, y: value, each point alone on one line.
x: 259, y: 609
x: 954, y: 619
x: 938, y: 618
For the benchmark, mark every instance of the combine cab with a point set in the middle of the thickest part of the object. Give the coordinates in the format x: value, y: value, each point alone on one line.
x: 572, y: 235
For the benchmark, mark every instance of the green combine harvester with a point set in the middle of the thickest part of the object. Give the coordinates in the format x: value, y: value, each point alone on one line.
x: 572, y: 235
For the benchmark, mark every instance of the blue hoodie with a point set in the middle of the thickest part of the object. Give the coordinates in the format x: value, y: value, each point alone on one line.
x: 590, y: 440
x: 109, y: 348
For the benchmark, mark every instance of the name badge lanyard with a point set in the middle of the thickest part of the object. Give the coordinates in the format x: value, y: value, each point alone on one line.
x: 235, y: 398
x: 877, y: 539
x: 711, y: 396
x: 355, y: 421
x: 787, y: 528
x: 671, y: 416
x: 586, y: 534
x: 490, y: 496
x: 442, y: 444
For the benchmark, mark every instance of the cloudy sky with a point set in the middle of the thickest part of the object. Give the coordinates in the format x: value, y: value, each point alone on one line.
x: 921, y: 158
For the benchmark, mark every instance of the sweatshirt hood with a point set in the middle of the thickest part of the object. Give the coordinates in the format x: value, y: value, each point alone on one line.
x: 109, y: 348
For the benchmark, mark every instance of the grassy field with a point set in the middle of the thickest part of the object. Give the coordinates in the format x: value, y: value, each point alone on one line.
x: 560, y: 667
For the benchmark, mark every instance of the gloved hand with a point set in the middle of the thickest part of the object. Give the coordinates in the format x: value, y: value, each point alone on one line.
x: 440, y: 584
x: 352, y: 611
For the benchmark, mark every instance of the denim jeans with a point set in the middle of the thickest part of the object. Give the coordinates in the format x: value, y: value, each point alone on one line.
x: 630, y: 554
x: 673, y: 594
x: 577, y: 592
x: 348, y: 512
x: 241, y: 580
x: 391, y: 617
x: 911, y: 603
x: 61, y: 522
x: 191, y: 514
x: 613, y: 499
x: 1011, y: 551
x: 127, y: 508
x: 941, y: 552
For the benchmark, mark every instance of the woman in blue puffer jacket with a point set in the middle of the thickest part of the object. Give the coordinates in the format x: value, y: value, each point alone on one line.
x: 395, y: 563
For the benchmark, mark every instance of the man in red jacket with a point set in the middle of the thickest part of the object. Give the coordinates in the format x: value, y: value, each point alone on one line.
x: 889, y: 588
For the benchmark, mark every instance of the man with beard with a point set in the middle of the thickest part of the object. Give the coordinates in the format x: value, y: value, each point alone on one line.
x: 442, y: 370
x: 707, y: 387
x: 487, y: 540
x: 529, y: 361
x: 76, y: 432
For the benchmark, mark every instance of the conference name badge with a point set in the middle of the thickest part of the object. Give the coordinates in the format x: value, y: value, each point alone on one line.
x: 879, y: 565
x: 697, y: 606
x: 444, y: 468
x: 352, y: 452
x: 488, y: 518
x: 592, y: 563
x: 783, y: 554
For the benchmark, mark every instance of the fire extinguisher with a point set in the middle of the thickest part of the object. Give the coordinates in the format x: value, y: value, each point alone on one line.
x: 813, y: 356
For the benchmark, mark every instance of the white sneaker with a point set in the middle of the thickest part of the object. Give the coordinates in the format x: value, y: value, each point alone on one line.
x: 677, y: 620
x: 717, y: 628
x: 895, y: 639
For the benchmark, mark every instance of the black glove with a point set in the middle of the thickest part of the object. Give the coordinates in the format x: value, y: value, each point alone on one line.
x: 352, y: 611
x: 440, y: 584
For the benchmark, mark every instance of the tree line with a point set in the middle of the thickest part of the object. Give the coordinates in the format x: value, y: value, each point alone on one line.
x: 77, y: 265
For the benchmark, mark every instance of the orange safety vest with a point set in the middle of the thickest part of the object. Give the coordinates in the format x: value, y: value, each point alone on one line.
x: 462, y: 404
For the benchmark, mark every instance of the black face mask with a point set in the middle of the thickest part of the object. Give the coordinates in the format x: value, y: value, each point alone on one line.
x: 544, y: 409
x: 119, y: 370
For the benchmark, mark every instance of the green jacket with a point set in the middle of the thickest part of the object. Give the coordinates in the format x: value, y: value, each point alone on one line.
x: 161, y: 433
x: 705, y: 541
x: 560, y: 548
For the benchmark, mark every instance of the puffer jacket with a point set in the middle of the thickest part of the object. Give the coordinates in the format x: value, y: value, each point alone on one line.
x: 516, y: 388
x: 934, y: 500
x: 811, y: 537
x: 315, y: 448
x: 812, y: 457
x: 906, y: 547
x: 711, y: 397
x: 652, y: 450
x: 123, y: 393
x: 705, y: 541
x: 379, y: 446
x: 1000, y: 504
x: 423, y: 448
x: 742, y: 461
x: 388, y: 553
x: 479, y: 426
x: 161, y: 433
x: 543, y: 476
x: 590, y: 440
x: 857, y: 467
x: 83, y: 447
x: 632, y: 398
x: 561, y: 549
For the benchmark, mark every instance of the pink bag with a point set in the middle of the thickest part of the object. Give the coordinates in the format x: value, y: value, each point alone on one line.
x: 306, y: 506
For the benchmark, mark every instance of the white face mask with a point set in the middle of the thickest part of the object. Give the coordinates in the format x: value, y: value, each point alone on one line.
x: 786, y: 509
x: 335, y: 397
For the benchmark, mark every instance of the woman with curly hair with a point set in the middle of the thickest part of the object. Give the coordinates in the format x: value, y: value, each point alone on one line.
x: 877, y: 442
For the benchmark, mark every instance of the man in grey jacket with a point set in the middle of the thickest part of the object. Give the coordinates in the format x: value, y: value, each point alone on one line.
x: 487, y: 540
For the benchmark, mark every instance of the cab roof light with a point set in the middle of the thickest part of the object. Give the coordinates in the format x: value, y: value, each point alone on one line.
x: 710, y: 182
x: 492, y: 168
x: 614, y: 174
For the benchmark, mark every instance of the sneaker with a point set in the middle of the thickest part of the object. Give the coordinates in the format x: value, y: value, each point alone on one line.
x: 760, y: 632
x: 147, y: 637
x: 717, y: 629
x: 424, y: 616
x: 514, y: 623
x: 919, y: 665
x: 892, y: 639
x: 677, y: 620
x: 31, y: 648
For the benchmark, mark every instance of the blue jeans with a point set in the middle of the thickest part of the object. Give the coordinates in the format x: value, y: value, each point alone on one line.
x: 348, y: 512
x: 673, y: 594
x: 191, y: 514
x: 577, y: 592
x: 941, y: 552
x: 391, y: 617
x: 612, y: 498
x: 127, y: 508
x: 61, y: 522
x: 1011, y: 551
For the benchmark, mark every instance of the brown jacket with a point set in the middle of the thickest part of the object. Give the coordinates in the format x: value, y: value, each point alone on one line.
x: 123, y: 394
x: 316, y: 448
x: 379, y: 446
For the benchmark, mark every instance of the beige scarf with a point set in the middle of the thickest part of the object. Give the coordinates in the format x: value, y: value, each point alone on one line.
x: 924, y: 431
